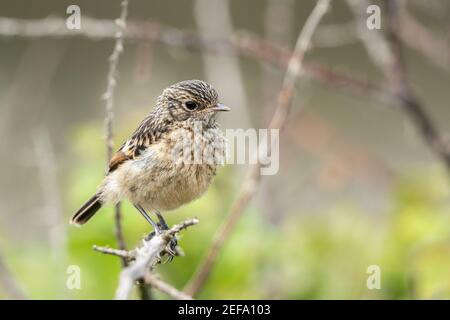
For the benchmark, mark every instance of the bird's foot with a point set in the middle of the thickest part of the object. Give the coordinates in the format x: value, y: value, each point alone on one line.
x: 172, y: 247
x: 161, y: 222
x: 171, y: 250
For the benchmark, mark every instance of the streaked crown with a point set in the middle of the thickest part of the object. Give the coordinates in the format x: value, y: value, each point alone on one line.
x: 190, y: 99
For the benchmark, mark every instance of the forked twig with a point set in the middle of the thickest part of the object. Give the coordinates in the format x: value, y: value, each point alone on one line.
x: 144, y: 258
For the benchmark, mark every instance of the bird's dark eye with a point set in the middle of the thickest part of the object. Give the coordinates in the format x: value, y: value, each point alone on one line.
x: 191, y: 105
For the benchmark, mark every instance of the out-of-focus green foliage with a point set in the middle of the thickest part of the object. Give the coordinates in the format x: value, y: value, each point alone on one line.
x: 308, y: 255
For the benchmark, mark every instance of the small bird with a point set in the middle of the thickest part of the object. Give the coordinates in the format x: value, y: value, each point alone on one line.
x: 150, y: 168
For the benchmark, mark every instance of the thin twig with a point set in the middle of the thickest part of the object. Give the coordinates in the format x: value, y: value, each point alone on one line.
x: 413, y: 33
x: 115, y: 252
x: 144, y: 289
x: 386, y: 53
x: 165, y: 287
x: 253, y: 177
x: 146, y: 257
x: 244, y: 44
x: 108, y: 96
x: 118, y: 230
x: 278, y: 28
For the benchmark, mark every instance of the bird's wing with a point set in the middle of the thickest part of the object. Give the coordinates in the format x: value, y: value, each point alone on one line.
x: 119, y: 158
x: 142, y: 138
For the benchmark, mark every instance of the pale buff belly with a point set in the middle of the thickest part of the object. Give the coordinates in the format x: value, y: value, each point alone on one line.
x: 163, y: 186
x: 157, y: 181
x: 169, y: 188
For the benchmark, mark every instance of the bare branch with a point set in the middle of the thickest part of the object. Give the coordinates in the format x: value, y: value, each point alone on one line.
x: 118, y: 231
x: 165, y: 288
x: 128, y: 256
x: 115, y: 252
x: 108, y: 96
x: 243, y: 43
x: 253, y: 177
x: 146, y: 257
x: 386, y: 53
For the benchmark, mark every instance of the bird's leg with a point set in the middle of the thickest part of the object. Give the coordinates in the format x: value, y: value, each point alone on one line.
x: 147, y: 217
x: 172, y: 247
x: 161, y: 220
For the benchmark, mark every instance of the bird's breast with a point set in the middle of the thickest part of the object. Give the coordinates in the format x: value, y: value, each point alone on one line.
x: 175, y: 170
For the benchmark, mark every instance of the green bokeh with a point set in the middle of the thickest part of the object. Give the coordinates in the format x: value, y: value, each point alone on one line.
x: 308, y: 255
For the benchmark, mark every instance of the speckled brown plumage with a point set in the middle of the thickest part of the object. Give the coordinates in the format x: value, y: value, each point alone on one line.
x: 149, y: 169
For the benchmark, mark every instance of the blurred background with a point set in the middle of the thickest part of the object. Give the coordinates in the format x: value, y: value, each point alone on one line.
x: 357, y: 184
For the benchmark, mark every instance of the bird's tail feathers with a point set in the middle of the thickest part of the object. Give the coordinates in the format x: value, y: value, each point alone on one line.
x: 86, y: 211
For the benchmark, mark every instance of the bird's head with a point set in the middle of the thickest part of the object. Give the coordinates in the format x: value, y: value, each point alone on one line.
x: 190, y: 100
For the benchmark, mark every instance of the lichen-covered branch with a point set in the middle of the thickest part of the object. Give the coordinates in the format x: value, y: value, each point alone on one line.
x: 162, y: 286
x: 142, y: 259
x: 114, y: 252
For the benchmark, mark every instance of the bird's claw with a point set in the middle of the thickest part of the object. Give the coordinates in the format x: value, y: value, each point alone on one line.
x: 171, y: 250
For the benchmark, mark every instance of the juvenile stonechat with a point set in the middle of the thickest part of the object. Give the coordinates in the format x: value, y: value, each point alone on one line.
x: 149, y: 169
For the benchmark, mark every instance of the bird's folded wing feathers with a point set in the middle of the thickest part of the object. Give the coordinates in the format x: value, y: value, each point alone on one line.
x: 146, y: 134
x: 130, y: 150
x: 119, y: 158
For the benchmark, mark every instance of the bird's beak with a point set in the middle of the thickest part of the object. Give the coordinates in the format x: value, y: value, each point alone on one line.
x: 221, y: 107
